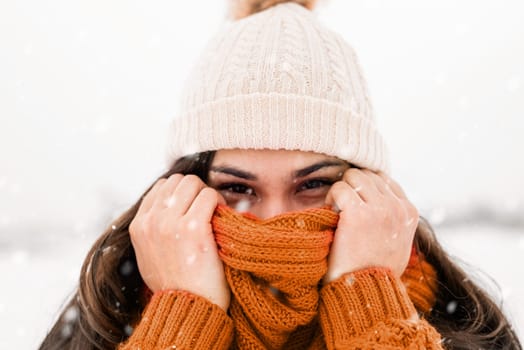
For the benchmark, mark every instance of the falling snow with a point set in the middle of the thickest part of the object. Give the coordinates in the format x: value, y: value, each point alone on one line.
x: 350, y: 279
x: 170, y: 201
x: 274, y: 291
x: 127, y: 268
x: 437, y: 216
x: 48, y: 257
x: 71, y: 314
x: 190, y: 259
x: 413, y: 318
x: 128, y: 330
x: 451, y: 307
x: 66, y: 330
x: 243, y: 206
x: 192, y: 225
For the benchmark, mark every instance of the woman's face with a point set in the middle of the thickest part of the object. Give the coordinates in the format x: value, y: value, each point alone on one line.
x: 271, y: 182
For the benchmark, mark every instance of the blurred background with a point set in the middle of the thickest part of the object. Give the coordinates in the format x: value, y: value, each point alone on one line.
x: 88, y: 89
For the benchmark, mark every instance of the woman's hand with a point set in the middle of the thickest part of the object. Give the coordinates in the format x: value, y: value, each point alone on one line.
x: 376, y: 226
x: 173, y: 240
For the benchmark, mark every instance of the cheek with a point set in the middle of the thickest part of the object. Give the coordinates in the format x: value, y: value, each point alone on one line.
x: 305, y: 202
x: 242, y: 203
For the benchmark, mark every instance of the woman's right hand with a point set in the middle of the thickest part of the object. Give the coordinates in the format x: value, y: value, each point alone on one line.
x: 174, y: 242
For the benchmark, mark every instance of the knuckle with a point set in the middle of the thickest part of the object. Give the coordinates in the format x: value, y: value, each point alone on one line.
x: 410, y: 208
x: 182, y: 223
x: 395, y: 209
x: 176, y: 176
x: 173, y: 180
x: 401, y: 211
x: 133, y: 227
x: 384, y: 176
x: 338, y: 186
x: 156, y: 186
x: 209, y: 193
x: 351, y: 173
x: 149, y: 224
x: 192, y: 180
x: 159, y: 183
x: 384, y: 213
x: 414, y: 211
x: 339, y: 193
x: 368, y: 171
x: 163, y: 227
x: 189, y: 224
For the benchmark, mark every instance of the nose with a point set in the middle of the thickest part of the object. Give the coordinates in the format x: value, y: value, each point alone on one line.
x: 269, y: 207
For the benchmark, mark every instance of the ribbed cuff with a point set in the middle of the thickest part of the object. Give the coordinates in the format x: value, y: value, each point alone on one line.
x: 357, y: 301
x: 184, y: 320
x: 280, y: 121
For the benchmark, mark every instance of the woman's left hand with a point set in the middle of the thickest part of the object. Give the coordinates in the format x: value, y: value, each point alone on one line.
x: 376, y: 226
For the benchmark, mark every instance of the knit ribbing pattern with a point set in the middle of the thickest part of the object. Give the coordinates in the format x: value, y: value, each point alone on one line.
x: 278, y: 79
x: 273, y: 268
x: 387, y: 319
x: 420, y: 279
x: 180, y: 320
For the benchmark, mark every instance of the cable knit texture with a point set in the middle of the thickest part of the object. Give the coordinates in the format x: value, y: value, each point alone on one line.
x: 274, y: 267
x: 278, y: 79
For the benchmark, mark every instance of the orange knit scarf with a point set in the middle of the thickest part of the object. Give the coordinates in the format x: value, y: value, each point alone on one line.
x: 274, y: 268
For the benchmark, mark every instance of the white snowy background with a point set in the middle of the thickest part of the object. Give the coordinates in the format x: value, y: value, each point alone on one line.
x: 87, y: 91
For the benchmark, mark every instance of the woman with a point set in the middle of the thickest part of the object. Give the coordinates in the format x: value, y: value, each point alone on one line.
x: 277, y: 225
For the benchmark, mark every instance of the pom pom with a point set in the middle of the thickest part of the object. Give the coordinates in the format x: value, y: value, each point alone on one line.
x: 243, y: 8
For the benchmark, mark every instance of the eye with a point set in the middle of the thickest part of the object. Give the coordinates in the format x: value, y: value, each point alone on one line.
x: 314, y: 184
x: 236, y: 188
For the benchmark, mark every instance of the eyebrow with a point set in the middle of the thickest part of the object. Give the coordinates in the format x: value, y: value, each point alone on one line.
x: 298, y: 173
x: 317, y: 166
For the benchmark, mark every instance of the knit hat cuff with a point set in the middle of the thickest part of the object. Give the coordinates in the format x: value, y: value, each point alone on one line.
x: 279, y: 121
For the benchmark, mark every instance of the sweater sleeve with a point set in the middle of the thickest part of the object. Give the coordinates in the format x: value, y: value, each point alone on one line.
x: 180, y: 320
x: 370, y: 309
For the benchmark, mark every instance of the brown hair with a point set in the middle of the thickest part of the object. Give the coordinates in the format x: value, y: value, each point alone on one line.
x: 108, y: 300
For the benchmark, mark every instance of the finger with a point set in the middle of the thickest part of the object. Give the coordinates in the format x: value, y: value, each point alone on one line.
x: 412, y: 213
x: 221, y: 199
x: 204, y: 205
x: 149, y: 198
x: 184, y: 194
x: 392, y: 185
x: 379, y: 182
x: 341, y: 195
x: 361, y: 183
x: 165, y: 191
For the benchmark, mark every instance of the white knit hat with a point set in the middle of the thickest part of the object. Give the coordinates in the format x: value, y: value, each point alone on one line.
x: 278, y: 79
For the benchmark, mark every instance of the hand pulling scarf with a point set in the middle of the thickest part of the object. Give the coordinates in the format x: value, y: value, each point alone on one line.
x: 274, y: 268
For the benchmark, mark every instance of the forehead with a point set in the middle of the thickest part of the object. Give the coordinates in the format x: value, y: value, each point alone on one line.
x: 262, y: 158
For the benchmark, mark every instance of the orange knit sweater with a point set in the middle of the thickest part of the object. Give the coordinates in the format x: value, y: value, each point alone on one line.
x: 274, y: 268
